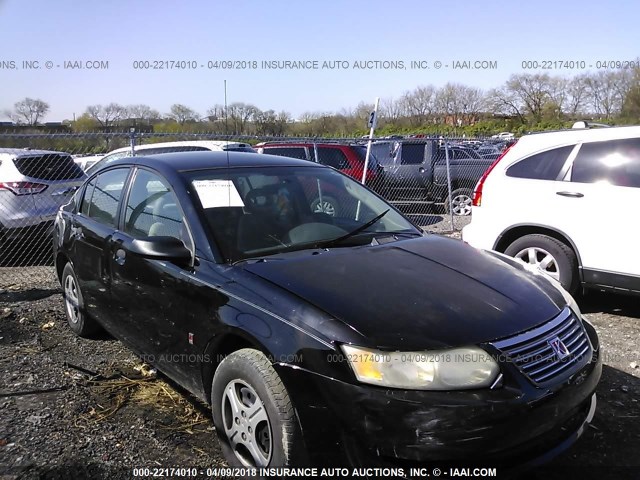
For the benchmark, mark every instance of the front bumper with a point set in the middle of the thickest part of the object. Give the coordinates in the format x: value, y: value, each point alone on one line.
x: 515, y: 424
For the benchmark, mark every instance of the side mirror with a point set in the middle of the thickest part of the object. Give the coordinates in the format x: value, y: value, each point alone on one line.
x: 167, y: 248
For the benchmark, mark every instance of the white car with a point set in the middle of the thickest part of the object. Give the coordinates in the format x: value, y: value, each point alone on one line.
x: 565, y: 202
x: 504, y: 136
x: 87, y: 161
x: 168, y: 147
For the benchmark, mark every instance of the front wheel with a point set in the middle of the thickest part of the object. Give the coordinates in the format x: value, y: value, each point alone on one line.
x: 461, y: 199
x: 551, y: 256
x: 252, y: 412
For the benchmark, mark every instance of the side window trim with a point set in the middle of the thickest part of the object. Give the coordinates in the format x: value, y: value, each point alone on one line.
x: 565, y: 171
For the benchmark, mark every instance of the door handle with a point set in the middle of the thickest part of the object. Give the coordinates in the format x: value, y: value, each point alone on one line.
x: 571, y: 194
x: 421, y: 169
x: 120, y: 256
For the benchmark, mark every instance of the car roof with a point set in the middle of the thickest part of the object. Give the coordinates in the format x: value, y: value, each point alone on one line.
x: 202, y: 160
x: 187, y: 143
x: 26, y: 152
x: 305, y: 144
x: 575, y: 135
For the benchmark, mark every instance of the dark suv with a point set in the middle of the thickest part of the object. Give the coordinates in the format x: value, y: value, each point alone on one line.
x: 414, y: 171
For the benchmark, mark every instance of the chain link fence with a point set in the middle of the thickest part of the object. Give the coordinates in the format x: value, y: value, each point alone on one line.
x: 429, y: 178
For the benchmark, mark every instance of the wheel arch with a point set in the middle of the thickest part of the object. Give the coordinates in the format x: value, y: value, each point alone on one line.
x: 514, y: 232
x: 60, y: 261
x: 218, y: 348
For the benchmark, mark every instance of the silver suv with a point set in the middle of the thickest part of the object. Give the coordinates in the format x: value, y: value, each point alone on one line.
x: 33, y: 185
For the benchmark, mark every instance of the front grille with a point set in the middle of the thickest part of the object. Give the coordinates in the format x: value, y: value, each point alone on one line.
x: 539, y: 355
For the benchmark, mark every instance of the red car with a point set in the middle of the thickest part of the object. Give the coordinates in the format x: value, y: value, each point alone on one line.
x: 349, y: 159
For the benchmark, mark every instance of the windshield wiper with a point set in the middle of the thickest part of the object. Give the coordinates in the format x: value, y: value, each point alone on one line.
x: 364, y: 226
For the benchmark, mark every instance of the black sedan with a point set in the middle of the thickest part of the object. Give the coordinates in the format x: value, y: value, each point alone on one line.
x: 351, y: 339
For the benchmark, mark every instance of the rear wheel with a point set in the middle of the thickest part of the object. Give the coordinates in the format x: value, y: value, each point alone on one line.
x: 461, y: 199
x: 550, y: 255
x: 78, y: 320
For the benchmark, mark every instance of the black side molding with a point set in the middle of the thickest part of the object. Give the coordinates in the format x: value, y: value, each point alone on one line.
x: 611, y: 281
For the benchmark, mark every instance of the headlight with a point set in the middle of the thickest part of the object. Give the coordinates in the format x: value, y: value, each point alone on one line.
x: 454, y: 369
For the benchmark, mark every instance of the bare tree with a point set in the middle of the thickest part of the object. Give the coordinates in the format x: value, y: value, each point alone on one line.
x: 607, y: 90
x: 107, y: 115
x: 391, y: 109
x: 503, y: 101
x: 142, y: 112
x: 577, y: 101
x: 28, y: 111
x: 420, y: 103
x: 183, y: 114
x: 531, y: 91
x: 559, y: 96
x: 459, y: 104
x: 240, y: 114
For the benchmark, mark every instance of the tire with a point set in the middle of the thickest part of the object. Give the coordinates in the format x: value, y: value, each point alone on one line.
x: 330, y: 206
x: 461, y: 199
x: 551, y: 256
x: 78, y: 321
x: 245, y: 379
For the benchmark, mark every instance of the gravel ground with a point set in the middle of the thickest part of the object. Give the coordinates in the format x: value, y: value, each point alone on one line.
x: 71, y: 407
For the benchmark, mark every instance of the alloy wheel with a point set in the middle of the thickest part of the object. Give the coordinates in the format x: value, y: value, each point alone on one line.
x: 540, y: 258
x: 71, y: 301
x: 246, y: 424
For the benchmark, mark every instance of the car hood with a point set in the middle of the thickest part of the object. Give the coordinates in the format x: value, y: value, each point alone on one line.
x: 418, y: 294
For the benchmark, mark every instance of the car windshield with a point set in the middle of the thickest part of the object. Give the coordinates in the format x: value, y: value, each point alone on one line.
x: 260, y: 211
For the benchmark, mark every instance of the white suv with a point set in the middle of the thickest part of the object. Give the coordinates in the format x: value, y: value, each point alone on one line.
x: 566, y: 202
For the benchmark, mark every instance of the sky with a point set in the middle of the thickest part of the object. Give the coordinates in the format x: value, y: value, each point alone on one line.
x: 127, y: 34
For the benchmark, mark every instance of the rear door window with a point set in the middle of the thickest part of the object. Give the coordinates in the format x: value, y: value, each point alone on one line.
x: 332, y: 157
x: 412, y: 154
x: 541, y: 166
x: 615, y: 162
x: 293, y: 152
x: 49, y: 167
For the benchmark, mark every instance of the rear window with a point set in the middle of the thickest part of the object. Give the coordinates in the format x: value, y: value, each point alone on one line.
x: 239, y: 148
x: 158, y: 150
x: 49, y: 167
x: 542, y: 166
x: 332, y: 157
